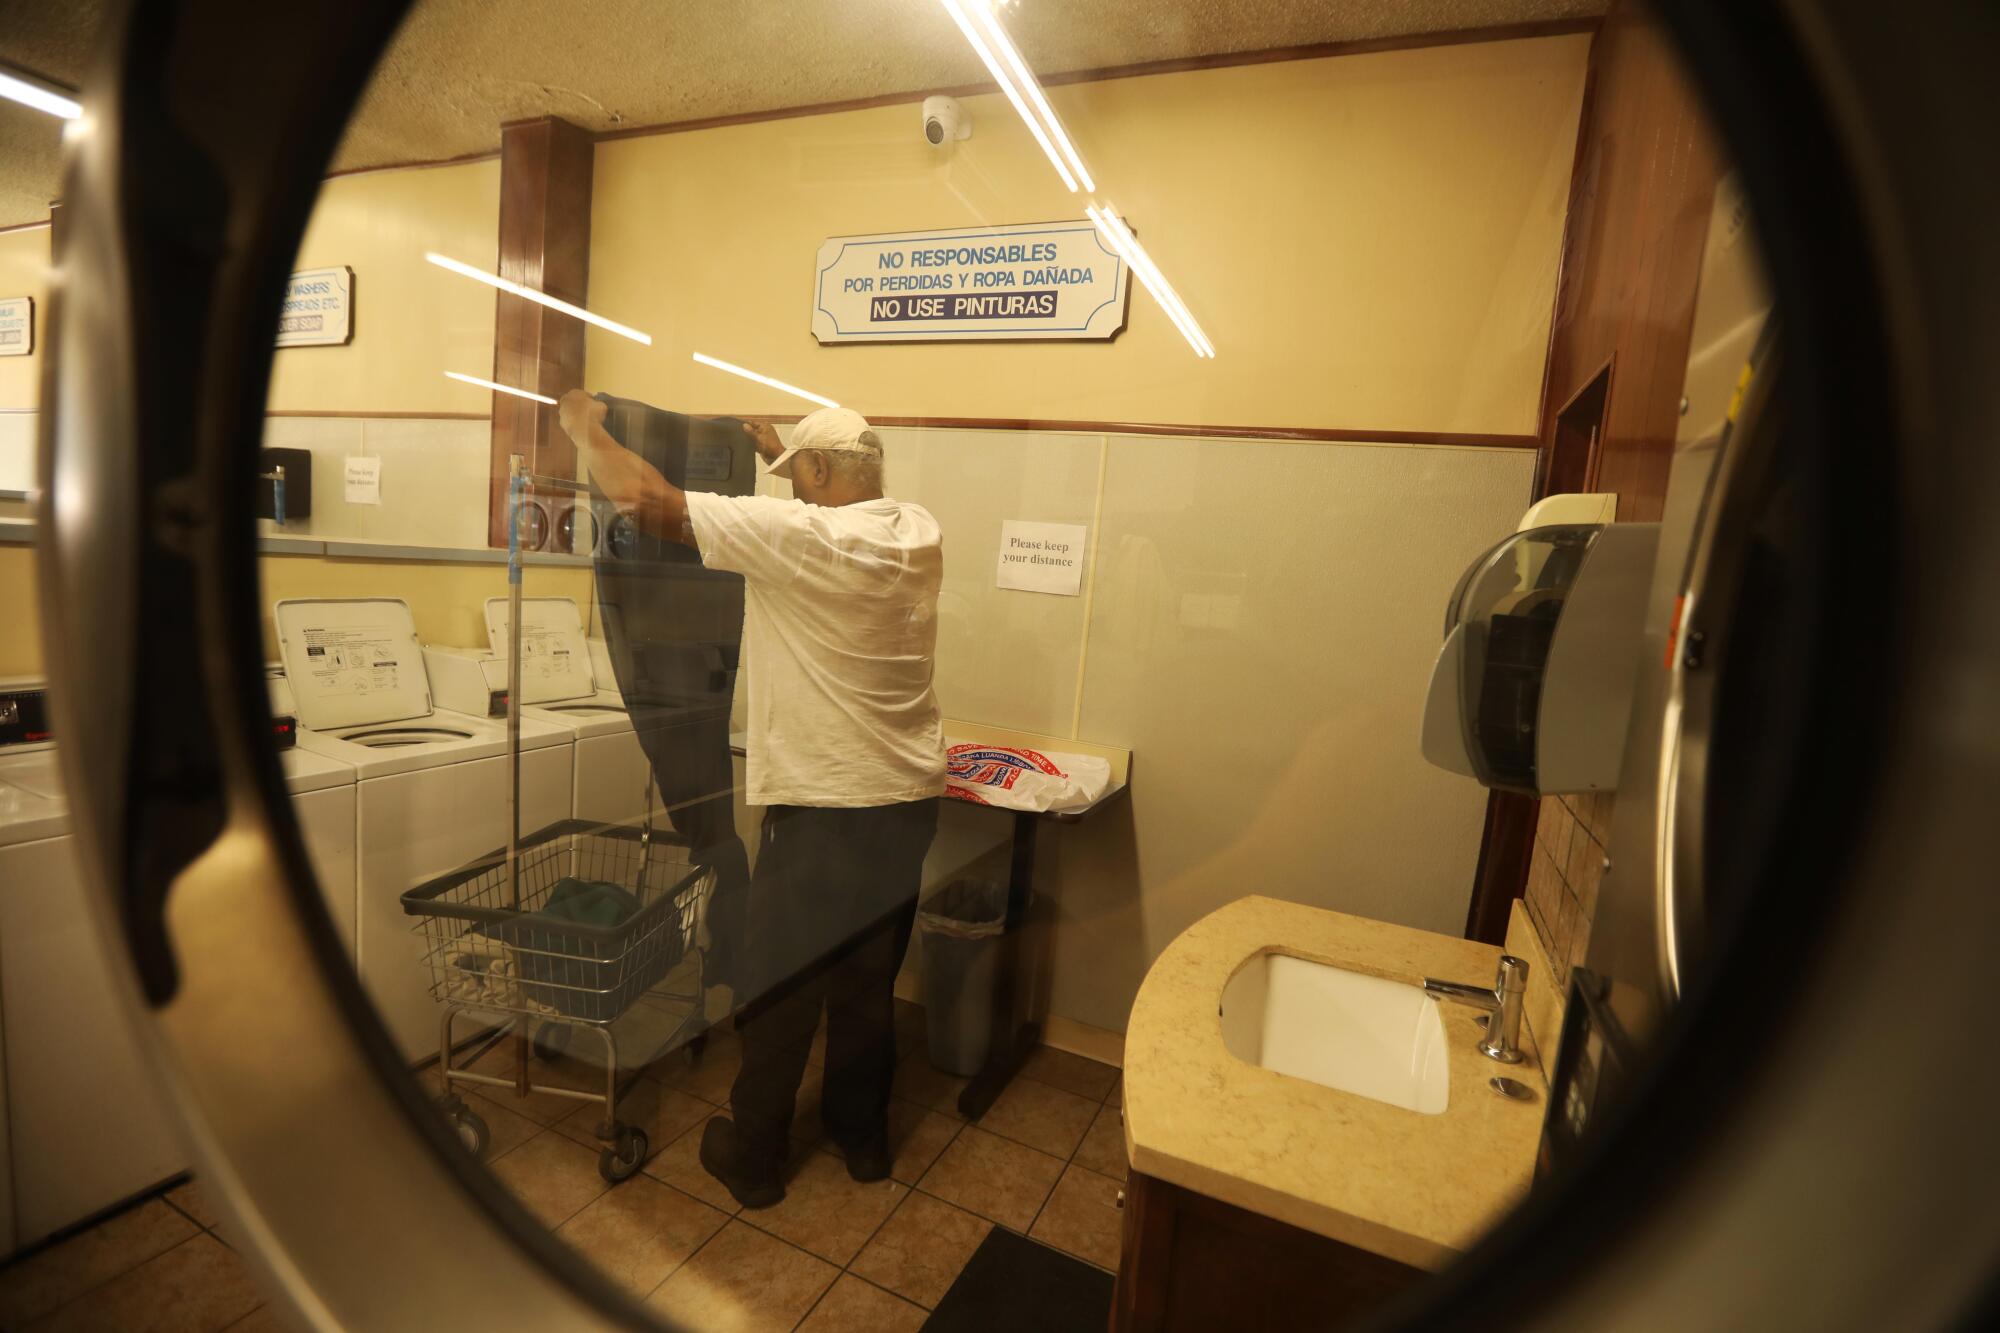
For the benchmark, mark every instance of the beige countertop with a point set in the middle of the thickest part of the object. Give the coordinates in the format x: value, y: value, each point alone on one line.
x: 1413, y: 1187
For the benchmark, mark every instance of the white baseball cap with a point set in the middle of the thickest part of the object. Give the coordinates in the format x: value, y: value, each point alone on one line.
x: 837, y: 429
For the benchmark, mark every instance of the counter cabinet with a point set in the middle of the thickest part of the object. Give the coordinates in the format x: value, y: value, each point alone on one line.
x: 1192, y: 1264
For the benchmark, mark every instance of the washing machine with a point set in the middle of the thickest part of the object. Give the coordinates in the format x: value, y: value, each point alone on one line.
x: 82, y: 1126
x: 611, y: 769
x: 566, y: 679
x: 323, y: 801
x: 431, y: 785
x: 85, y: 1126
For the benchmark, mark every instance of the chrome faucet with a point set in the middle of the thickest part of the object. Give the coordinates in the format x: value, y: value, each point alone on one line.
x: 1503, y: 1003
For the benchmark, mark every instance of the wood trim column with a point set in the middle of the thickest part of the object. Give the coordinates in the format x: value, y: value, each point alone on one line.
x: 1640, y: 189
x: 545, y: 177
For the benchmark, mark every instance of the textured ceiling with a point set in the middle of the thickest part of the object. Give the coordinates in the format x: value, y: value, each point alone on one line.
x: 461, y: 67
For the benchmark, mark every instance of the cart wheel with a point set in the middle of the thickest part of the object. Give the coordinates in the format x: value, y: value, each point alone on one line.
x: 551, y: 1040
x: 623, y: 1161
x: 471, y: 1131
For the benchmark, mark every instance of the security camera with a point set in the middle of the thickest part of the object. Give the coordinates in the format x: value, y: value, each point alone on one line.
x: 945, y: 121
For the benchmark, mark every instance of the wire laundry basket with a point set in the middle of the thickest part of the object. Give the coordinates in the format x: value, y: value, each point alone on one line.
x: 493, y: 943
x: 486, y: 950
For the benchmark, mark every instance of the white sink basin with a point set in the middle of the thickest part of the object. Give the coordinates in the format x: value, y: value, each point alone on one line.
x: 1366, y: 1035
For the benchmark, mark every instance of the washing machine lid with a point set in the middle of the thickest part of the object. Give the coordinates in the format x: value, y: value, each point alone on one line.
x: 306, y: 770
x: 36, y: 772
x: 352, y: 662
x: 555, y: 655
x: 27, y: 814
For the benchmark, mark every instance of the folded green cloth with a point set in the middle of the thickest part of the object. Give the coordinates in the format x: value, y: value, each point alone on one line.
x: 585, y: 902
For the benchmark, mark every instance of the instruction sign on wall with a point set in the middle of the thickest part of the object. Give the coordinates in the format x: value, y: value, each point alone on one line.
x: 17, y: 325
x: 1041, y: 557
x: 1028, y: 281
x: 364, y: 479
x: 318, y: 309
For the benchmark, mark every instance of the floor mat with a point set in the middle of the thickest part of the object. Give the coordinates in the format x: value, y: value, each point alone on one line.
x: 1014, y: 1284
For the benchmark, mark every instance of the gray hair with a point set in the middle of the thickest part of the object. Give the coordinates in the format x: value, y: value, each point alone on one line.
x: 862, y: 471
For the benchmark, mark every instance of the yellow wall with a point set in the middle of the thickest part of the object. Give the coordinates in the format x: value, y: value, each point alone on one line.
x: 24, y: 271
x: 24, y: 262
x: 20, y: 613
x: 412, y: 320
x: 1370, y: 241
x: 447, y: 598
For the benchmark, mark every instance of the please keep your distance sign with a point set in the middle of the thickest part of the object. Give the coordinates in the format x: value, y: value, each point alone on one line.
x: 1041, y: 557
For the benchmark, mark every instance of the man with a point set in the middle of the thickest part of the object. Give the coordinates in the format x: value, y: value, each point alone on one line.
x: 845, y: 752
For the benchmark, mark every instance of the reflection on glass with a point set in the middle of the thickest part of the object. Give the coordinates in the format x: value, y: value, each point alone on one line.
x: 496, y: 387
x: 536, y: 295
x: 983, y: 29
x: 1125, y: 243
x: 703, y: 358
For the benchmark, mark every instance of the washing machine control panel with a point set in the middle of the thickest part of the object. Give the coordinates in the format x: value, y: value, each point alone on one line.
x: 24, y: 717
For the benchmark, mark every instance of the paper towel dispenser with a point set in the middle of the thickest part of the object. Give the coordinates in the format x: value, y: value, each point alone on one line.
x: 1533, y: 686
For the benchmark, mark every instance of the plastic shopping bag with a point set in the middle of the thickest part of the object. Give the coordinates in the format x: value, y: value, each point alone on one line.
x: 1022, y: 779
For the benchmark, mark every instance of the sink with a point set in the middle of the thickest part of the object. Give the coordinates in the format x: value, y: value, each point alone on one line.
x: 1366, y: 1035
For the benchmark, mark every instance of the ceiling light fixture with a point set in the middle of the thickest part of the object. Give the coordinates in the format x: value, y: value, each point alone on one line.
x: 792, y: 389
x: 997, y: 66
x: 1113, y: 229
x: 18, y: 85
x: 539, y: 298
x: 499, y: 388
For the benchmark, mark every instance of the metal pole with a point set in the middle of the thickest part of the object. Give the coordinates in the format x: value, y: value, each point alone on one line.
x: 517, y: 480
x: 517, y: 484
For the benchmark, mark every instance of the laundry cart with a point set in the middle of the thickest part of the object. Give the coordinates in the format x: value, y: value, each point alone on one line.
x: 587, y: 926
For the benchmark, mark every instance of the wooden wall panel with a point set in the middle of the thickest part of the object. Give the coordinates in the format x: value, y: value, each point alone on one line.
x: 1647, y: 169
x: 545, y: 180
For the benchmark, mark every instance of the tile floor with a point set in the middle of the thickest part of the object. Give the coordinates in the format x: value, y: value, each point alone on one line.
x: 1047, y: 1161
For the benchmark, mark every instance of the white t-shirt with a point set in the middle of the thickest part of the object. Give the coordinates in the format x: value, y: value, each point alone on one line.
x: 839, y: 638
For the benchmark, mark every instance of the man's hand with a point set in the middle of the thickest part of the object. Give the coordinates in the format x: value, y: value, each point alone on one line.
x: 765, y: 436
x: 627, y: 480
x: 577, y: 411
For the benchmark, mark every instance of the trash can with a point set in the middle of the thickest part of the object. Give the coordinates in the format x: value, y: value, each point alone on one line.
x: 961, y: 925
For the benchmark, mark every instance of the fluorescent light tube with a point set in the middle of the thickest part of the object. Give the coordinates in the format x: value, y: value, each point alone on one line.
x: 539, y: 298
x: 1113, y: 229
x: 1032, y: 86
x: 499, y: 388
x: 792, y: 389
x: 1006, y: 82
x: 29, y: 91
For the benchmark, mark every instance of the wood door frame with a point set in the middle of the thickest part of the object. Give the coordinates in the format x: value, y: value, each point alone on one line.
x: 1545, y: 464
x: 1507, y: 837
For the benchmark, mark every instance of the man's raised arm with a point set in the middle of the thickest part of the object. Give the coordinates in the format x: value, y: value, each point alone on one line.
x: 627, y: 480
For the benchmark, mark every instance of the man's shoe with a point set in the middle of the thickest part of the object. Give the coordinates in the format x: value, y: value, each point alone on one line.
x: 722, y: 1157
x: 868, y: 1160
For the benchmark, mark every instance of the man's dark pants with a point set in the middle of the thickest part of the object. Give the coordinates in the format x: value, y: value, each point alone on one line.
x: 832, y: 903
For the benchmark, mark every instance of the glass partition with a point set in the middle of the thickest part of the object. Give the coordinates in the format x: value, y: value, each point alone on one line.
x: 899, y: 563
x: 818, y: 624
